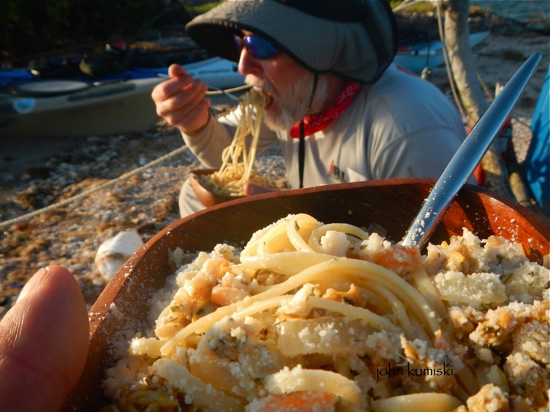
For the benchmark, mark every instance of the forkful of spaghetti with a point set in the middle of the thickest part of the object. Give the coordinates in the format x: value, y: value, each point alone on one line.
x: 238, y: 158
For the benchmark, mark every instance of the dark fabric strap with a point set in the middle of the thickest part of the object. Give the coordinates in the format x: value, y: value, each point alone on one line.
x: 301, y: 154
x: 302, y: 142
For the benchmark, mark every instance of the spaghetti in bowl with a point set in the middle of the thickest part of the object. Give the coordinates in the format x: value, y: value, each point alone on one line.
x: 215, y: 186
x: 201, y: 183
x: 388, y: 321
x: 210, y: 191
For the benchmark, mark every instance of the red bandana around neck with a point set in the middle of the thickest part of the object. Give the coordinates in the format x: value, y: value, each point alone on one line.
x: 316, y: 122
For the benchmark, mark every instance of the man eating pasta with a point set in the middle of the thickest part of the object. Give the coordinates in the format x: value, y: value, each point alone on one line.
x: 335, y: 102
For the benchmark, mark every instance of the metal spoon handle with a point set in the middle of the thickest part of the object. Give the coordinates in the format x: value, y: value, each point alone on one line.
x: 468, y: 155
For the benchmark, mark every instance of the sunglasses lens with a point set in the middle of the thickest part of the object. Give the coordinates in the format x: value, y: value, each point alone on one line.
x: 238, y: 42
x: 258, y: 47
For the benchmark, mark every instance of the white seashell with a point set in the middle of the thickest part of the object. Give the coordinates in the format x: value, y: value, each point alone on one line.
x: 113, y: 252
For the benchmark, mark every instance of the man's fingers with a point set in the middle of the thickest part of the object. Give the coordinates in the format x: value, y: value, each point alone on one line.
x: 176, y: 70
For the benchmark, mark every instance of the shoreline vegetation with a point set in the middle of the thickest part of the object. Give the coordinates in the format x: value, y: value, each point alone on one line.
x: 156, y: 18
x: 57, y: 169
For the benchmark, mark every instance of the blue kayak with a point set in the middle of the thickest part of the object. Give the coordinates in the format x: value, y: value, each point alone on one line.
x: 214, y: 71
x: 536, y: 168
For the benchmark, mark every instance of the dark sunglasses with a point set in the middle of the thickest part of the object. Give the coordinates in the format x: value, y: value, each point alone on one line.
x: 256, y: 46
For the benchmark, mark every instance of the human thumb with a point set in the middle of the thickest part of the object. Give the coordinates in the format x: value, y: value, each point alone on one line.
x: 43, y: 343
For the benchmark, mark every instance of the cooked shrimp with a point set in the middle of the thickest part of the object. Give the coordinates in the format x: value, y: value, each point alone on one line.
x: 401, y: 259
x: 230, y: 289
x: 297, y: 402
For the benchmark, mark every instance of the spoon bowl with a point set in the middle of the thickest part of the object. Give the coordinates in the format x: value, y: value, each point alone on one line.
x: 468, y: 155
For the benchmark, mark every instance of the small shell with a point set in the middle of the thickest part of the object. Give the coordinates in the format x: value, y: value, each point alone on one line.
x: 113, y: 252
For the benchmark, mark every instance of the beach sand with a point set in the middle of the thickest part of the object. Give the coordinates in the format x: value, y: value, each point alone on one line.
x: 57, y: 170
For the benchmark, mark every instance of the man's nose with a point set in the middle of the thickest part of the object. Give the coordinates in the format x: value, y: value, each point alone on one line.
x: 248, y: 64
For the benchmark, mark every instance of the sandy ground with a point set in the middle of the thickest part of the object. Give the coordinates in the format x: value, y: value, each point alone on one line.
x: 39, y: 173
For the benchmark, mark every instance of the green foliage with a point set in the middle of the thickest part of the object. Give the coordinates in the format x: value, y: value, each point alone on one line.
x: 27, y: 20
x: 395, y: 3
x: 30, y: 27
x: 103, y: 17
x: 203, y: 8
x: 415, y: 7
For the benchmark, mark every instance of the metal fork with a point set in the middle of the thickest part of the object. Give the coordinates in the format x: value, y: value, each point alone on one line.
x: 217, y: 90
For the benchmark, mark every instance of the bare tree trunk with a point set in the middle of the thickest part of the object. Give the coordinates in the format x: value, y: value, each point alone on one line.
x: 473, y: 100
x: 461, y: 60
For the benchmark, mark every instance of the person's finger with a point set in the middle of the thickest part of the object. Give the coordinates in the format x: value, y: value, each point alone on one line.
x: 176, y: 70
x: 178, y: 79
x: 250, y: 189
x: 168, y: 88
x: 43, y: 343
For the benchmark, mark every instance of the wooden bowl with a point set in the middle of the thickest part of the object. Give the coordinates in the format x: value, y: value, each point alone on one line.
x: 391, y: 203
x: 207, y: 197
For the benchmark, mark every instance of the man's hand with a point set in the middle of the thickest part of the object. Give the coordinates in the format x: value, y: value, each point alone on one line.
x: 181, y: 100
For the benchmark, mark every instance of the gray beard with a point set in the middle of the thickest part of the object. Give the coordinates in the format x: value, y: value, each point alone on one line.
x: 294, y: 106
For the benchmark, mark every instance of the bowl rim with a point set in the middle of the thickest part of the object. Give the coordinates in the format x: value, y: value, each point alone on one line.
x: 100, y: 311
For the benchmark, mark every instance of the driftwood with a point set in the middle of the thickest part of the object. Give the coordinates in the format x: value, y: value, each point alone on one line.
x: 456, y: 29
x: 472, y: 98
